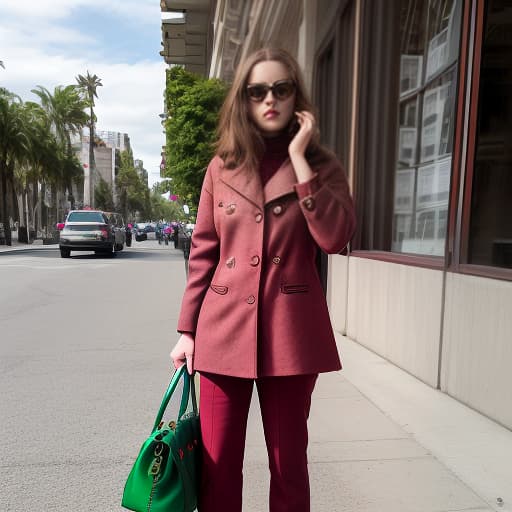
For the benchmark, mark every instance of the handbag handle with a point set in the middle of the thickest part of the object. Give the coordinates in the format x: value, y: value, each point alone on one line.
x: 189, y: 390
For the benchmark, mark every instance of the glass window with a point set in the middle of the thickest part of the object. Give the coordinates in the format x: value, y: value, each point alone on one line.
x: 85, y: 216
x: 490, y: 234
x: 429, y: 46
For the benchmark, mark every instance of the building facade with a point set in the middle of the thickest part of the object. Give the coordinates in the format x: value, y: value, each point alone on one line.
x: 115, y: 140
x: 415, y: 98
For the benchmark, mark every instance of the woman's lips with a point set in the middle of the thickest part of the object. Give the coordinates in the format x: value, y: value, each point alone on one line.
x: 270, y: 114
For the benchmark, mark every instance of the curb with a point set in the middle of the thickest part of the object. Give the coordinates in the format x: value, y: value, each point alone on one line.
x: 28, y: 248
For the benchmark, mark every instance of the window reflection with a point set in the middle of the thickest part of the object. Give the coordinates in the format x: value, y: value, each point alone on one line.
x: 429, y: 53
x: 490, y: 237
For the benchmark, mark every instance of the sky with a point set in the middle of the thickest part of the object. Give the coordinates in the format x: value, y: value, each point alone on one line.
x: 50, y: 42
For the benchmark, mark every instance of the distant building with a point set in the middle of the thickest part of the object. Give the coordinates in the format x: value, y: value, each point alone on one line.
x: 107, y: 151
x: 115, y: 140
x: 139, y: 167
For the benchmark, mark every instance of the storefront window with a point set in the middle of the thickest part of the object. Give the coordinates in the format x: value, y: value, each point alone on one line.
x: 490, y: 234
x: 429, y: 42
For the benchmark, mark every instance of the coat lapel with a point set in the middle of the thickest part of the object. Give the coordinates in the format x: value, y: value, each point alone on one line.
x: 244, y: 183
x: 281, y: 184
x: 249, y: 186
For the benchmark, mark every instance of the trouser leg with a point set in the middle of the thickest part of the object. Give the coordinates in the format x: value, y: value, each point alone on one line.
x: 224, y: 407
x: 285, y: 403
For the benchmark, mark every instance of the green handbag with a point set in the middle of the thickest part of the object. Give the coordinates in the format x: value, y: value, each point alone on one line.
x: 165, y: 475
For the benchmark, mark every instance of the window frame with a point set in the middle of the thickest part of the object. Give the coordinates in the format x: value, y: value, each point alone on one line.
x: 459, y: 261
x: 455, y: 258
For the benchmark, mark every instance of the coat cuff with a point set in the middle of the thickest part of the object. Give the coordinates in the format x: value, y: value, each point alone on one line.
x: 307, y: 188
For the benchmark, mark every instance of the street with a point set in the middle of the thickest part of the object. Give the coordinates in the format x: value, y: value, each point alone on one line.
x: 83, y: 365
x: 84, y: 346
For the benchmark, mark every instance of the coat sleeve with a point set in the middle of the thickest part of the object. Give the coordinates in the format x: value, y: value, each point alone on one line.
x: 328, y: 208
x: 204, y: 257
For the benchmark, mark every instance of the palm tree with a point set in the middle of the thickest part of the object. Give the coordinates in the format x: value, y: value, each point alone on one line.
x: 14, y: 146
x: 47, y: 165
x: 65, y: 111
x: 89, y: 83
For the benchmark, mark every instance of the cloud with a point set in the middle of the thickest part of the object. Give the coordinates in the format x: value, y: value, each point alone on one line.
x: 142, y: 11
x: 54, y: 48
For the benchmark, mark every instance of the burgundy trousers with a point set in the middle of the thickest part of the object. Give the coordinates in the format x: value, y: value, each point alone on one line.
x: 224, y: 405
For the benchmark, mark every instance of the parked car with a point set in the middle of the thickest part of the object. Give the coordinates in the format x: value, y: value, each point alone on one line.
x: 92, y: 230
x: 139, y: 230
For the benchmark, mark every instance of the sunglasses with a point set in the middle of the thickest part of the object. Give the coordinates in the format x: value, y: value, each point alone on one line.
x: 281, y: 90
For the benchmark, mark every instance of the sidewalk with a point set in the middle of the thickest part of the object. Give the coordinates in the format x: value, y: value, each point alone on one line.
x: 382, y: 441
x: 17, y: 246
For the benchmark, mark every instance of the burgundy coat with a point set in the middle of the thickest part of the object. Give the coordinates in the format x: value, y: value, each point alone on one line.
x: 254, y: 298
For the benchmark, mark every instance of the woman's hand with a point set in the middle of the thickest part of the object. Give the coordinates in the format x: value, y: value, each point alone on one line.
x: 183, y: 352
x: 307, y: 126
x: 299, y: 144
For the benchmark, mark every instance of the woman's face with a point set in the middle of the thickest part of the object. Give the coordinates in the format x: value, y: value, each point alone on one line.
x: 270, y: 110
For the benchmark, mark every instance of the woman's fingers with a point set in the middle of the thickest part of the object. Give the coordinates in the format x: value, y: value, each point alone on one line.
x: 183, y: 353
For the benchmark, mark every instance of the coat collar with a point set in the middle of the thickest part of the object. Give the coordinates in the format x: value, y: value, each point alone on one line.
x: 244, y: 183
x: 249, y: 186
x: 282, y: 182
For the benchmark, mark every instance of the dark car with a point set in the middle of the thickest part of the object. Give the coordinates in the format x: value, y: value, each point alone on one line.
x: 139, y: 231
x: 92, y: 230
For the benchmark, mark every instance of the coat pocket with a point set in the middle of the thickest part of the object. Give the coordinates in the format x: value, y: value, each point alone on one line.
x: 294, y: 288
x: 221, y: 290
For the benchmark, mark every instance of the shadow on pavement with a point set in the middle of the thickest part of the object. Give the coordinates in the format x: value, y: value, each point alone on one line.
x: 128, y: 255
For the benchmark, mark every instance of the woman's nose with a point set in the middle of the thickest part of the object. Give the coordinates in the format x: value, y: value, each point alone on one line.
x: 269, y: 98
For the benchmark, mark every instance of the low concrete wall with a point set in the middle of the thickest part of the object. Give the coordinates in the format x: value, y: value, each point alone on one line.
x: 477, y: 344
x: 395, y: 310
x: 337, y: 284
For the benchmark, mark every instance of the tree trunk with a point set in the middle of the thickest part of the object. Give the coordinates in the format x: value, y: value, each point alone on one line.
x: 92, y: 164
x: 5, y: 217
x: 5, y: 205
x: 36, y: 210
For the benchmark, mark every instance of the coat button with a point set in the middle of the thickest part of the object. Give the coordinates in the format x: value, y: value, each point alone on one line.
x: 258, y: 217
x: 251, y: 299
x: 230, y: 208
x: 221, y: 204
x: 230, y: 262
x: 255, y: 261
x: 278, y: 209
x: 276, y: 260
x: 309, y: 203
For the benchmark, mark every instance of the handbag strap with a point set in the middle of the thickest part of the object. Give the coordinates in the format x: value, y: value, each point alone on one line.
x: 188, y: 391
x: 193, y: 395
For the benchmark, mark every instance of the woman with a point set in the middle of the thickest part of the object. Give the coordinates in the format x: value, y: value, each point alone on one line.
x: 254, y: 309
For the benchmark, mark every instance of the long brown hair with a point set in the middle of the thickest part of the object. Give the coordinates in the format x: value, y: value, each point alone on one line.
x: 240, y: 143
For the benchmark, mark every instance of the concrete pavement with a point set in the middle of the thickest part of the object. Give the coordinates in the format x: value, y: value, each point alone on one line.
x: 380, y: 440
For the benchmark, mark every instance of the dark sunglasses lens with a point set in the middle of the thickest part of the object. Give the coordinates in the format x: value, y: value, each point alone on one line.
x: 257, y: 92
x: 283, y: 90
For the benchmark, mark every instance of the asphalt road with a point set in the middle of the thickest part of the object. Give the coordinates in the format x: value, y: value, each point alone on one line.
x: 84, y: 346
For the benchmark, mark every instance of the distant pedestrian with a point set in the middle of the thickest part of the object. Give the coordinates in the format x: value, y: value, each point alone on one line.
x: 254, y: 310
